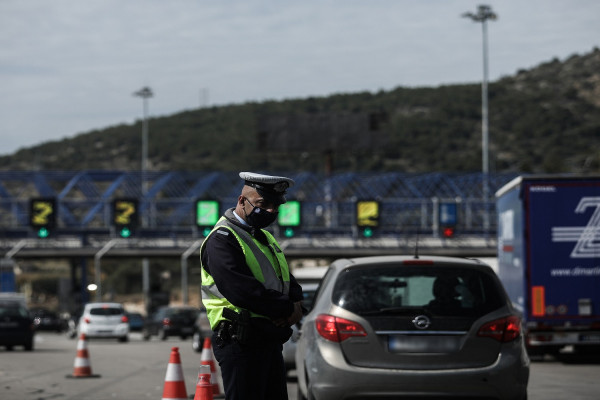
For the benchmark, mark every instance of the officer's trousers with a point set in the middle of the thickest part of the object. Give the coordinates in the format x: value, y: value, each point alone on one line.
x: 252, y: 372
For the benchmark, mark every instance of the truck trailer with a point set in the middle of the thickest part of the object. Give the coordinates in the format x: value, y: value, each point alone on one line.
x: 549, y: 259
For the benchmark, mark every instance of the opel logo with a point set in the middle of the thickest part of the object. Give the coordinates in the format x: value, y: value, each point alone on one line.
x: 421, y: 322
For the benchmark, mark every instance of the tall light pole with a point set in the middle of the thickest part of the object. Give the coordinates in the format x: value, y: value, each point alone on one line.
x: 145, y: 93
x: 484, y: 13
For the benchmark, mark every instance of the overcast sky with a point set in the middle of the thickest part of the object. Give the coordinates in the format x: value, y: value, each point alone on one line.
x: 70, y: 66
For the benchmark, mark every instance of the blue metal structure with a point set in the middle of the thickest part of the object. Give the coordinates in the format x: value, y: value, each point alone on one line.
x: 83, y: 198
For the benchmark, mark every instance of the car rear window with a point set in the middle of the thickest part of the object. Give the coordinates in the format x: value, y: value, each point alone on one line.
x: 106, y: 311
x: 183, y: 313
x: 12, y: 309
x: 438, y: 290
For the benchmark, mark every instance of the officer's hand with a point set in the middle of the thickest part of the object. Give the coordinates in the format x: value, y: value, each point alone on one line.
x: 296, y: 316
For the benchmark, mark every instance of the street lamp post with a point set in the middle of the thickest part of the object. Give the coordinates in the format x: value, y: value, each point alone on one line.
x: 484, y: 13
x: 145, y: 93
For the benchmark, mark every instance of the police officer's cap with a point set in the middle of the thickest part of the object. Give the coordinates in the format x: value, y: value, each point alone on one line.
x: 271, y: 188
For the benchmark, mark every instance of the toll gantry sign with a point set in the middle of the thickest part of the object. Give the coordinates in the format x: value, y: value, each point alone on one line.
x: 367, y: 216
x: 125, y: 216
x: 42, y: 215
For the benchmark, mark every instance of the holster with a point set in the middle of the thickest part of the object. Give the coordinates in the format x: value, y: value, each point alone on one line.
x: 239, y: 327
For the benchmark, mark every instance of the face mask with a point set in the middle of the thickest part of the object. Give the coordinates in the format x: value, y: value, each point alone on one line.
x: 259, y: 217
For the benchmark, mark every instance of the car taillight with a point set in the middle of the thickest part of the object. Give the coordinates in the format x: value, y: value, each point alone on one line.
x: 87, y: 320
x: 338, y: 329
x: 166, y: 321
x: 503, y: 330
x: 124, y: 319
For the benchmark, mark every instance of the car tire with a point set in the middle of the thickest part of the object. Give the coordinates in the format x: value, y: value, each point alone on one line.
x: 124, y: 339
x: 29, y: 346
x: 197, y: 342
x: 162, y: 334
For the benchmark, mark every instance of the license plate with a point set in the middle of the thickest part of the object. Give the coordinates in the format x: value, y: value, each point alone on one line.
x: 423, y: 343
x: 564, y: 338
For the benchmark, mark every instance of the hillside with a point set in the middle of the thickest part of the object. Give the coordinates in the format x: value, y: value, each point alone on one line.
x: 546, y: 119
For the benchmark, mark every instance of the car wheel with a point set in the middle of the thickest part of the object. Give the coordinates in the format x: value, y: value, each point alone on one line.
x: 124, y: 339
x: 197, y: 342
x: 163, y: 334
x: 29, y: 346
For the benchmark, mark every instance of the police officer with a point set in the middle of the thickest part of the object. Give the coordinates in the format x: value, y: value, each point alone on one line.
x: 251, y: 298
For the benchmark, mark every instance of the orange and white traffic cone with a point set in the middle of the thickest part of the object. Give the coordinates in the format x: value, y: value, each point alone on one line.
x: 174, y: 388
x: 204, y: 389
x: 82, y: 367
x: 208, y: 358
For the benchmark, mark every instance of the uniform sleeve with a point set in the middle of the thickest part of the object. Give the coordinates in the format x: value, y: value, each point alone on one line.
x: 225, y: 262
x: 295, y: 290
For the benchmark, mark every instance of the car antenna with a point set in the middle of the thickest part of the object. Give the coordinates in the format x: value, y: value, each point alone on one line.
x: 417, y: 246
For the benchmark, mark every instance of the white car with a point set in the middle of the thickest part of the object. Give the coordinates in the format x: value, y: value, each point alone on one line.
x: 104, y: 320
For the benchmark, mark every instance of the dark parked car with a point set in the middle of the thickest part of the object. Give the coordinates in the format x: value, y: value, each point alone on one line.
x: 47, y: 320
x: 136, y: 321
x: 408, y: 327
x: 171, y: 321
x: 16, y: 325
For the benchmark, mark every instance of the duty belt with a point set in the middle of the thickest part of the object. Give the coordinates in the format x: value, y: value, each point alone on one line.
x: 236, y: 329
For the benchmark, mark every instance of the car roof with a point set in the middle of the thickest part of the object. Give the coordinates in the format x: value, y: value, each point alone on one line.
x: 180, y: 307
x: 424, y: 261
x: 183, y: 308
x: 103, y: 305
x: 309, y: 286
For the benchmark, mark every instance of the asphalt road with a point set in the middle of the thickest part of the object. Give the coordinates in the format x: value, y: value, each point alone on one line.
x: 136, y: 370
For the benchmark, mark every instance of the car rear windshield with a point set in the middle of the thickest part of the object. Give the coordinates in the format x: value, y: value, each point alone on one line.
x: 183, y: 313
x: 439, y: 290
x: 12, y: 309
x: 106, y: 311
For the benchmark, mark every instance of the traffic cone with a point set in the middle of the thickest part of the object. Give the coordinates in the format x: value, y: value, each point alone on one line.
x: 174, y: 384
x: 208, y: 358
x: 204, y: 388
x: 82, y: 367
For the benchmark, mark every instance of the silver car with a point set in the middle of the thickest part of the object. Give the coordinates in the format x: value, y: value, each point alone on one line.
x: 411, y: 327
